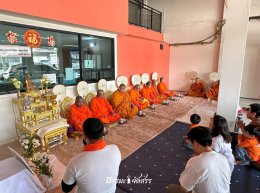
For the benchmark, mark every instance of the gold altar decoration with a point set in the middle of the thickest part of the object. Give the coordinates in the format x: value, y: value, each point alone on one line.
x: 18, y: 85
x: 34, y: 107
x: 36, y: 112
x: 45, y: 82
x: 30, y: 86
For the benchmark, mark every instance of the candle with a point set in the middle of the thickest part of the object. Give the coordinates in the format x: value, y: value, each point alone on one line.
x: 27, y: 86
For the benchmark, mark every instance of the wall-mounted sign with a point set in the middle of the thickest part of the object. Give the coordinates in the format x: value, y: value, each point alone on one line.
x: 32, y: 38
x: 15, y: 51
x: 88, y: 64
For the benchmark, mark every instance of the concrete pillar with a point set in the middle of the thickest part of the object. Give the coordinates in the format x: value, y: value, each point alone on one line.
x: 232, y: 55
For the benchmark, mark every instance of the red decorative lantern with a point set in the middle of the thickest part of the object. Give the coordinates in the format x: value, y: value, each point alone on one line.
x: 32, y: 38
x: 51, y: 41
x: 12, y: 37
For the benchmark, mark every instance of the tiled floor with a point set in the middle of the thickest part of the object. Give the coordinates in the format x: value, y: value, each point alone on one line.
x: 207, y: 109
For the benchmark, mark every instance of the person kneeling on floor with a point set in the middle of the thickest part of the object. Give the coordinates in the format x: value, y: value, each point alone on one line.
x: 208, y: 171
x: 96, y: 168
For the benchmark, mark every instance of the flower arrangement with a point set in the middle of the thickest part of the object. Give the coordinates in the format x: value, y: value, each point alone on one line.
x: 40, y: 160
x: 29, y: 145
x: 42, y: 164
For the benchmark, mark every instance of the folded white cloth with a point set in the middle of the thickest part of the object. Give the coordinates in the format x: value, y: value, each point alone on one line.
x: 42, y: 131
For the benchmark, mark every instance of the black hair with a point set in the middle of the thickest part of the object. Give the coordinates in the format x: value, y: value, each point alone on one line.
x: 255, y: 108
x: 220, y: 127
x: 93, y: 128
x: 252, y: 130
x: 195, y: 119
x: 201, y: 135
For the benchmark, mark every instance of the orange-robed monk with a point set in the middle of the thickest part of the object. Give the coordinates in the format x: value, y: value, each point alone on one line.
x: 146, y: 93
x: 102, y: 110
x: 213, y: 91
x: 197, y: 89
x: 137, y: 99
x: 163, y: 90
x: 155, y: 91
x: 122, y: 104
x: 79, y: 112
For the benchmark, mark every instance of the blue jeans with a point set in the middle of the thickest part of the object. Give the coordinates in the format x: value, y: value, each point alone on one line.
x: 242, y: 155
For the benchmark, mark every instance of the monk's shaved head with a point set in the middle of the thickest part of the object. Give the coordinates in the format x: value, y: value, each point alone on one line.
x: 137, y: 86
x: 148, y: 83
x: 100, y: 93
x: 79, y: 98
x: 154, y: 82
x: 79, y: 101
x: 122, y: 86
x: 161, y: 79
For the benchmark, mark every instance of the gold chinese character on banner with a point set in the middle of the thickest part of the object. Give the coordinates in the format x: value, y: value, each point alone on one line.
x: 51, y: 41
x: 32, y: 38
x: 12, y: 37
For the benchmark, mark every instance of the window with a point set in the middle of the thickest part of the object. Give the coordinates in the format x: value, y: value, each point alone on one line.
x: 58, y: 55
x: 97, y: 58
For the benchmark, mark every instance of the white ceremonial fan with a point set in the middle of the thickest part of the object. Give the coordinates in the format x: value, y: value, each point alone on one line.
x: 145, y: 78
x: 136, y: 79
x: 60, y: 91
x: 82, y: 88
x: 121, y: 80
x: 193, y: 75
x: 214, y: 76
x: 155, y: 76
x: 102, y: 85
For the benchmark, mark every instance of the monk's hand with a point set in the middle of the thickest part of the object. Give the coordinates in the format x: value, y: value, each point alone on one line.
x: 112, y: 113
x: 132, y: 105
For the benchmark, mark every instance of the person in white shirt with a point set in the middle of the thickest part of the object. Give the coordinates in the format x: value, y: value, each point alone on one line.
x: 221, y: 141
x: 95, y: 170
x: 207, y: 172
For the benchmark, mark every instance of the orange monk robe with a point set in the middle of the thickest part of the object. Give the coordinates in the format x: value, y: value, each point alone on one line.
x: 197, y: 90
x: 156, y: 94
x: 164, y: 91
x: 213, y: 92
x: 78, y: 115
x: 123, y: 105
x: 147, y: 94
x: 102, y: 110
x: 136, y: 99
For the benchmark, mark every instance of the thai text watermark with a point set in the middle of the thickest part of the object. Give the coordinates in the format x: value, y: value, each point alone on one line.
x: 141, y: 179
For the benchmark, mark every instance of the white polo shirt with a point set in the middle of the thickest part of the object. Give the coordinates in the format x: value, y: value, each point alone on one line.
x: 206, y: 173
x: 93, y: 169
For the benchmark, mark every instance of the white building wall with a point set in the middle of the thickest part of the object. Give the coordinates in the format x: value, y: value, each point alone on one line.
x: 188, y: 21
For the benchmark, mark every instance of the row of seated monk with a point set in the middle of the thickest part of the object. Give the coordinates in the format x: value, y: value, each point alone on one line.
x: 197, y: 89
x: 124, y: 105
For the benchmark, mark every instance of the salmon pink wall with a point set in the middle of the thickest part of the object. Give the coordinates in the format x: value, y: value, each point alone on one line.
x: 141, y: 32
x: 137, y: 55
x: 109, y: 15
